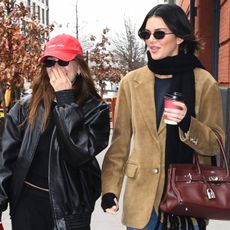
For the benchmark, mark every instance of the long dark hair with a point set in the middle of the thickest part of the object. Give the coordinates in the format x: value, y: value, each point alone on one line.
x: 43, y: 92
x: 176, y: 20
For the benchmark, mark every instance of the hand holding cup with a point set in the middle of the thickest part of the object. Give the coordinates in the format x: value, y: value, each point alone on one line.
x: 174, y: 108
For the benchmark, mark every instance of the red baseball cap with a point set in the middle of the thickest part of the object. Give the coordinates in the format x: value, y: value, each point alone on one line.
x: 63, y: 46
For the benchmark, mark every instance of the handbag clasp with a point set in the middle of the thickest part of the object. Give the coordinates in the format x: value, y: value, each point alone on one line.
x: 214, y: 178
x: 189, y: 177
x: 211, y: 194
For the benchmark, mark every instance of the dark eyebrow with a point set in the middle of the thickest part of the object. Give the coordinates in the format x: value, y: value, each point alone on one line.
x: 158, y: 29
x: 161, y: 29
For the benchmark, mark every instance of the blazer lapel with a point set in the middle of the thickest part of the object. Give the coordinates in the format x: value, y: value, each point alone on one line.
x: 145, y: 98
x: 162, y: 125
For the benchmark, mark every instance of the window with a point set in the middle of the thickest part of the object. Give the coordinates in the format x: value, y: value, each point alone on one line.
x: 34, y: 8
x: 47, y: 17
x: 43, y: 16
x: 39, y: 13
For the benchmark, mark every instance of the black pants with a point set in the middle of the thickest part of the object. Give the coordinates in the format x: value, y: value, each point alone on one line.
x: 33, y: 211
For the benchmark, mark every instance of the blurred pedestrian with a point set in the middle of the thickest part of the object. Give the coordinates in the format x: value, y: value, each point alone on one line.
x: 139, y: 119
x: 48, y: 171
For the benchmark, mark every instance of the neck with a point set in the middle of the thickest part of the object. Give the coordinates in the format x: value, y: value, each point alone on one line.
x: 163, y: 76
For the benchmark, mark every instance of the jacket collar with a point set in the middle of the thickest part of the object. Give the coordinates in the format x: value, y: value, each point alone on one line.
x: 144, y: 84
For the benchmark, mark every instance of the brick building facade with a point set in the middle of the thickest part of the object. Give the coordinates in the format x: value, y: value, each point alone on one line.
x: 211, y: 21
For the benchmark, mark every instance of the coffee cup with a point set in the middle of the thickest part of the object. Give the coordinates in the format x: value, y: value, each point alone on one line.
x: 169, y: 98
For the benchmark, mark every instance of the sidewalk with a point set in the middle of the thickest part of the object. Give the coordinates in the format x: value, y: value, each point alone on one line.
x: 103, y: 221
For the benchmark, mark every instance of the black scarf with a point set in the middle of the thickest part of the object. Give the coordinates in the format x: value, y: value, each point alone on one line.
x: 183, y: 81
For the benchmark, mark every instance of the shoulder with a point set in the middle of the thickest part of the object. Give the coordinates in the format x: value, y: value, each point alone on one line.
x: 21, y: 106
x: 206, y: 85
x: 92, y: 103
x: 139, y: 75
x: 135, y: 74
x: 204, y: 78
x: 19, y: 110
x: 94, y: 109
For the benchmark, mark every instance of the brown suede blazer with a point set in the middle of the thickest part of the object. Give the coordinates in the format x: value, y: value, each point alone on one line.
x: 143, y: 162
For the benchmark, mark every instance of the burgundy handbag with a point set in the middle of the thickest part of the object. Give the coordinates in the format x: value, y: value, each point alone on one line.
x: 198, y: 190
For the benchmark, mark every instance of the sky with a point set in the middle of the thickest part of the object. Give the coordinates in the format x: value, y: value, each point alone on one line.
x: 94, y: 16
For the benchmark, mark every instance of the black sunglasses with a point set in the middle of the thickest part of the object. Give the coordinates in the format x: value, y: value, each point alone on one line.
x: 49, y: 63
x: 158, y: 34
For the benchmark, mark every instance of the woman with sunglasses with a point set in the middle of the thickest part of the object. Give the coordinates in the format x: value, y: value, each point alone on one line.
x: 142, y: 145
x: 48, y: 171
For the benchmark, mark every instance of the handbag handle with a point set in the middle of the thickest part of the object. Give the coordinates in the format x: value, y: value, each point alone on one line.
x: 222, y: 151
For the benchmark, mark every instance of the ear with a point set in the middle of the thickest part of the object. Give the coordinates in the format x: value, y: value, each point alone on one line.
x: 179, y: 40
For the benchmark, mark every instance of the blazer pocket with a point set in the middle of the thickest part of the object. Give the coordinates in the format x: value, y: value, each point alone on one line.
x: 131, y: 170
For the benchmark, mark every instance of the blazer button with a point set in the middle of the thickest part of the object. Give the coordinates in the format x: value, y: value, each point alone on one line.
x: 155, y: 170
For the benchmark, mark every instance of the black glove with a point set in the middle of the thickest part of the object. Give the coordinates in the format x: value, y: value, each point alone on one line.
x: 107, y: 201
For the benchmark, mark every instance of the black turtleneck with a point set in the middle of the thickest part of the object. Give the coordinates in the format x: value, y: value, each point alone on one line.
x: 38, y: 172
x: 161, y: 87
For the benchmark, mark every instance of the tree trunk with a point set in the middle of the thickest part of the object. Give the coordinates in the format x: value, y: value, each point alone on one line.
x: 3, y: 99
x: 102, y: 88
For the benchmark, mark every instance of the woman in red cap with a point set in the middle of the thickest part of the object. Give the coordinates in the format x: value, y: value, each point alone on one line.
x: 48, y: 170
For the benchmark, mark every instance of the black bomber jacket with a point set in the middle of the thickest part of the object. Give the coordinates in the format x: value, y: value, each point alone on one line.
x: 80, y: 133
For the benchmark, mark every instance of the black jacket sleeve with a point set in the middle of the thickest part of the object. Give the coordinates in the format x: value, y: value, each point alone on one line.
x: 82, y: 131
x: 10, y: 146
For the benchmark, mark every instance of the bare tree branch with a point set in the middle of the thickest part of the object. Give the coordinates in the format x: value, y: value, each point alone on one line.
x: 129, y: 51
x: 103, y: 63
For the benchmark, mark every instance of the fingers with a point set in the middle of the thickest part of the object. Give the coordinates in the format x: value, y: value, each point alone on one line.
x: 113, y: 210
x: 59, y: 79
x: 57, y: 74
x: 176, y: 114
